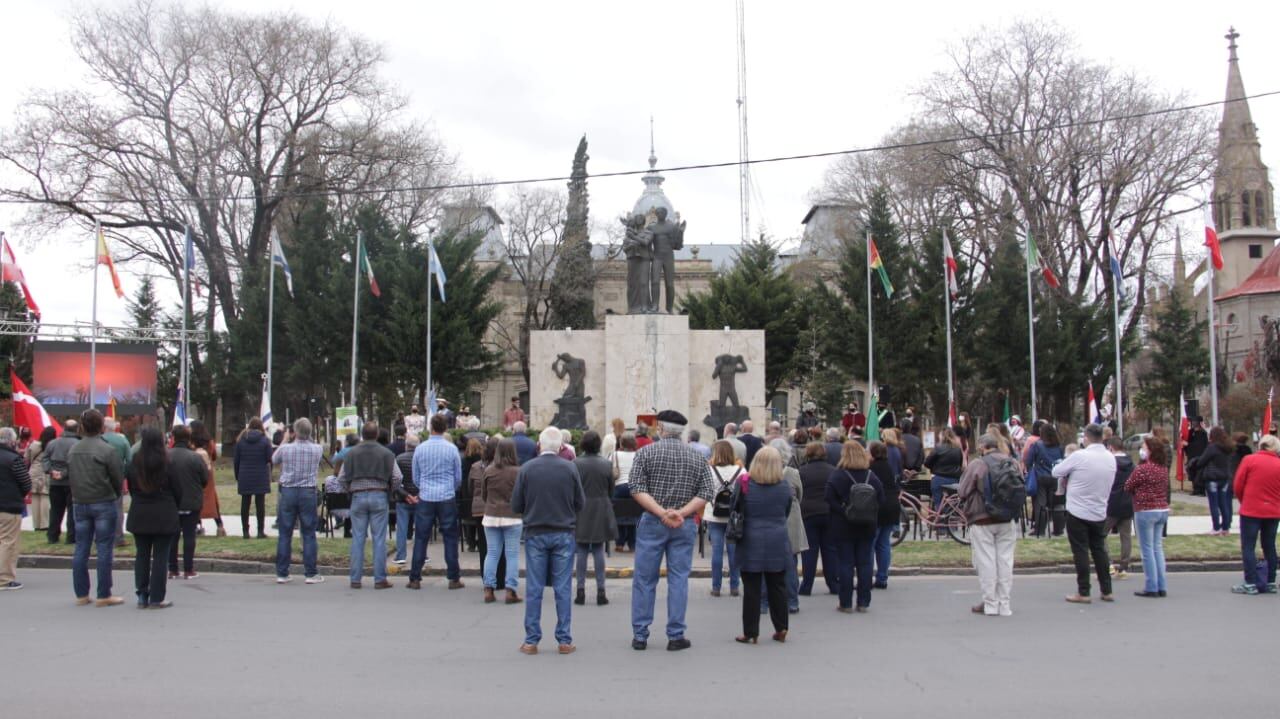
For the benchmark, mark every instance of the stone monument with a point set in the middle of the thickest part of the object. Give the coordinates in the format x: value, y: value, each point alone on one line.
x: 726, y: 370
x: 572, y: 412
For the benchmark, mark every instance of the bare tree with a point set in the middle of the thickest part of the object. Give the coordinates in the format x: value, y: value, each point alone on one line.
x: 535, y: 221
x: 202, y: 118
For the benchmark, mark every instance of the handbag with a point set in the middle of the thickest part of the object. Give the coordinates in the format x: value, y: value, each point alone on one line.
x: 735, y: 527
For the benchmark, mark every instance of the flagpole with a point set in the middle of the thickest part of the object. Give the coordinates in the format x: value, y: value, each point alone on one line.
x: 426, y: 390
x: 871, y: 351
x: 1118, y: 411
x: 93, y: 337
x: 186, y: 306
x: 271, y: 308
x: 946, y: 291
x: 1031, y: 331
x: 1213, y: 349
x: 355, y: 316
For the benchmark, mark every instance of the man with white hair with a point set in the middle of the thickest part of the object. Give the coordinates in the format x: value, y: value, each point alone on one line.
x: 299, y: 461
x: 526, y: 448
x: 120, y: 444
x: 752, y: 442
x: 672, y: 482
x: 834, y: 445
x: 992, y: 540
x: 15, y: 483
x: 548, y: 496
x: 739, y: 449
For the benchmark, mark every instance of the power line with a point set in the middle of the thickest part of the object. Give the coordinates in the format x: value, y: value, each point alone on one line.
x: 699, y: 166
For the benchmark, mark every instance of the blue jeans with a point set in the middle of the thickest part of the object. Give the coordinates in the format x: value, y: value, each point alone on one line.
x: 1151, y: 545
x: 548, y: 559
x: 1220, y: 507
x: 425, y: 515
x: 821, y: 543
x: 369, y: 513
x: 855, y: 558
x: 404, y: 511
x: 654, y: 540
x: 502, y: 541
x: 95, y: 524
x: 883, y: 548
x: 935, y: 488
x: 1251, y: 530
x: 718, y: 549
x: 296, y: 505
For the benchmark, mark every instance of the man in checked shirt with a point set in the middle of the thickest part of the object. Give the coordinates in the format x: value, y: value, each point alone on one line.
x: 672, y: 482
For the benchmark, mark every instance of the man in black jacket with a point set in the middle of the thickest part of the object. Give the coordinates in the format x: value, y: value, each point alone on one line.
x: 1197, y: 443
x: 1120, y: 507
x: 15, y: 484
x: 188, y: 471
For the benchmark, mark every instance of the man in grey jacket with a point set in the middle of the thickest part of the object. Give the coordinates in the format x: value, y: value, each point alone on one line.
x: 55, y: 468
x: 97, y: 479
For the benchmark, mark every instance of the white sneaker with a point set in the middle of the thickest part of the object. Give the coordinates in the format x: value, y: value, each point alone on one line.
x: 315, y: 579
x: 283, y: 580
x: 401, y: 562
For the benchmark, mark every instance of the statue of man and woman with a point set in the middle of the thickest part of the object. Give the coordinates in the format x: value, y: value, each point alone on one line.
x: 651, y: 262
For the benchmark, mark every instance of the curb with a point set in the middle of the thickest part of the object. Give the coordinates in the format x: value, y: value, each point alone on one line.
x: 236, y: 566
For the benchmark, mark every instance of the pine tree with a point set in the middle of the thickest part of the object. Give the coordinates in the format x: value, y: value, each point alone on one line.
x: 755, y: 295
x: 572, y: 292
x: 1179, y: 358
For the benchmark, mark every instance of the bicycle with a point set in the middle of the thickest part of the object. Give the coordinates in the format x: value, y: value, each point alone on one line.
x: 923, y: 520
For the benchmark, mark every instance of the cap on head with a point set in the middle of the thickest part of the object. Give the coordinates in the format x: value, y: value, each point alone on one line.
x: 670, y: 416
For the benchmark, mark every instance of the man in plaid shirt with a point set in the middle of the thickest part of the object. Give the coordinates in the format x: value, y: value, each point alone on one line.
x: 672, y: 482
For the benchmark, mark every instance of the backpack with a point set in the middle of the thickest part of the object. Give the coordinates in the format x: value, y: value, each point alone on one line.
x: 722, y: 503
x: 1005, y: 493
x: 863, y: 505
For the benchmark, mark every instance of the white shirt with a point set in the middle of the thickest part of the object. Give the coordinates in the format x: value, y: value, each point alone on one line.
x: 1086, y: 478
x: 722, y: 475
x: 623, y: 459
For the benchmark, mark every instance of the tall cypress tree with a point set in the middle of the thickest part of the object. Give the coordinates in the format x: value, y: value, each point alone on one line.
x: 572, y: 292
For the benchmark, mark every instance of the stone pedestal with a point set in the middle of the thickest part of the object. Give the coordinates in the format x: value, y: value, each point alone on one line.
x: 643, y: 364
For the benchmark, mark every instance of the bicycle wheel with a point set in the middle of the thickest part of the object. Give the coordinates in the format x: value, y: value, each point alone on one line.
x: 909, y: 514
x: 957, y: 526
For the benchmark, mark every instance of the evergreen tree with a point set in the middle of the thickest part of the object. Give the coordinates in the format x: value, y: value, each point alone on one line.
x: 145, y: 310
x: 1179, y: 358
x: 755, y: 295
x: 15, y: 351
x: 572, y: 292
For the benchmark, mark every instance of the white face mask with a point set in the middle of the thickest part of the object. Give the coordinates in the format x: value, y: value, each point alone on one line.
x: 1143, y: 454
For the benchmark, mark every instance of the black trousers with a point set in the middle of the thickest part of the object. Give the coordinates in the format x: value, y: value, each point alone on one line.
x: 775, y: 584
x: 187, y: 524
x: 260, y: 503
x: 1089, y: 538
x: 149, y: 578
x: 60, y: 504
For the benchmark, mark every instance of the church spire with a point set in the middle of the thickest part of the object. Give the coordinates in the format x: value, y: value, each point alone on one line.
x: 1242, y: 192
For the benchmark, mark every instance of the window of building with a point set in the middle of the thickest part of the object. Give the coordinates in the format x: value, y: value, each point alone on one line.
x: 1259, y: 208
x: 1246, y: 217
x: 1255, y: 252
x: 778, y: 408
x: 1222, y: 220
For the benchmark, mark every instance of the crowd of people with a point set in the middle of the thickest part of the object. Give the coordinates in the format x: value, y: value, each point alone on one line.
x: 774, y: 506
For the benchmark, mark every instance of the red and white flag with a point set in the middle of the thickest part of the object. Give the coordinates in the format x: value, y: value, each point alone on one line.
x: 27, y: 411
x: 1184, y: 434
x: 1266, y: 413
x: 949, y: 260
x: 1211, y: 238
x: 13, y: 273
x: 1095, y: 416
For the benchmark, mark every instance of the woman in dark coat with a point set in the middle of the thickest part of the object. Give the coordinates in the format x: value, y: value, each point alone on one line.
x: 890, y: 510
x: 854, y: 542
x: 253, y: 474
x: 596, y: 524
x: 817, y: 523
x: 1214, y: 469
x: 946, y: 463
x: 764, y: 550
x: 152, y: 518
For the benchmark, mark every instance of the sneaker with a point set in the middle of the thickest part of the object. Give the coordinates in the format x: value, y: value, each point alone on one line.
x: 10, y: 585
x: 190, y: 575
x: 109, y: 602
x: 160, y: 605
x: 676, y: 645
x: 314, y: 579
x: 1250, y: 589
x: 401, y: 562
x: 283, y: 580
x: 1121, y: 574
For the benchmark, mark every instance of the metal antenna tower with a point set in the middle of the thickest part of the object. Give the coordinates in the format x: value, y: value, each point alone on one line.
x: 744, y: 179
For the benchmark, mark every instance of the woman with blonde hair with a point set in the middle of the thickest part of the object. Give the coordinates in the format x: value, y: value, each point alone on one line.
x: 854, y: 542
x: 764, y: 550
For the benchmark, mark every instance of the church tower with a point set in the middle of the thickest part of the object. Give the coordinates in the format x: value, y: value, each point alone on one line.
x: 1243, y: 202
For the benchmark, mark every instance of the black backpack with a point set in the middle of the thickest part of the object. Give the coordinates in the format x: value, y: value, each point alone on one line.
x: 1005, y: 493
x: 863, y: 505
x: 722, y: 503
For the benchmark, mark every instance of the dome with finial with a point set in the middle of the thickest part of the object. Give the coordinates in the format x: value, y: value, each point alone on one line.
x: 653, y: 197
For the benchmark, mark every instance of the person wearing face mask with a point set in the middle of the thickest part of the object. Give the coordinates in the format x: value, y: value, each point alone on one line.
x: 1149, y: 487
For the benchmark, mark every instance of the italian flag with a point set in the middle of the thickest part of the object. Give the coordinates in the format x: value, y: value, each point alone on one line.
x: 368, y: 270
x: 877, y: 264
x: 1036, y: 262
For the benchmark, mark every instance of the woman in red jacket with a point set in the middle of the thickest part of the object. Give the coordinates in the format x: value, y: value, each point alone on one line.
x: 1257, y: 486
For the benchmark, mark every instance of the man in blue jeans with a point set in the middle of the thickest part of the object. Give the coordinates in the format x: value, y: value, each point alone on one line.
x: 437, y: 472
x: 97, y: 478
x: 299, y: 459
x: 672, y: 482
x: 404, y: 510
x: 368, y: 474
x: 548, y: 494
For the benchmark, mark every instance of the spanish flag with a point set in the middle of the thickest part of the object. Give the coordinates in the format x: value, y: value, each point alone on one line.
x: 104, y: 258
x: 877, y: 264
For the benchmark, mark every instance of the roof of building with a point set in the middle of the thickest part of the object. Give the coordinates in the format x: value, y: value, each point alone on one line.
x: 1264, y: 280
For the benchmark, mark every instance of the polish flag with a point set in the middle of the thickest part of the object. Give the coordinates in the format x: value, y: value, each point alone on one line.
x: 952, y: 268
x: 27, y: 410
x: 1184, y: 434
x: 1211, y: 238
x: 1266, y: 414
x: 13, y: 273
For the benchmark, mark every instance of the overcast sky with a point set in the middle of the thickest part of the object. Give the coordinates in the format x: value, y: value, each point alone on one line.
x: 510, y: 86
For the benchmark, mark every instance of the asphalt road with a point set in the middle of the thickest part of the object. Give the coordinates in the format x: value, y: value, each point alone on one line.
x: 237, y: 646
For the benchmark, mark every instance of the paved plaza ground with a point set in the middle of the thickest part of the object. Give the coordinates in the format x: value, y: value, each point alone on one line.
x: 241, y: 646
